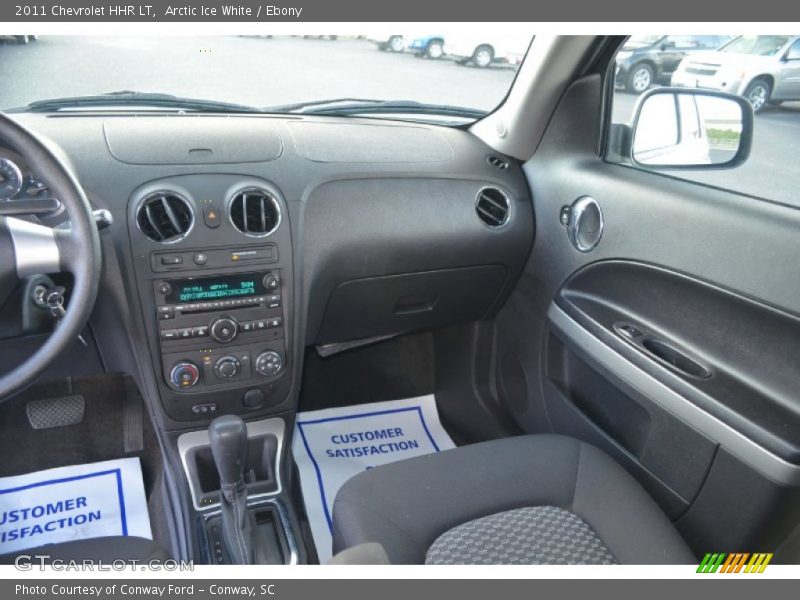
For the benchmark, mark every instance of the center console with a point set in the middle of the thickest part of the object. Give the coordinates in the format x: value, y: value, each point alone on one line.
x: 221, y: 331
x: 214, y: 269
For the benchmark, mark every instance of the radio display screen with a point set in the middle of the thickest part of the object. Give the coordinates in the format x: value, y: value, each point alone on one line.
x: 205, y: 289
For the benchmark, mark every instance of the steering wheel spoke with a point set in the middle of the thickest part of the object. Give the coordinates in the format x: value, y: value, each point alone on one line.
x: 37, y: 251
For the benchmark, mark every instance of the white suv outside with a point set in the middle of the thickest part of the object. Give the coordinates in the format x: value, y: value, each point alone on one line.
x: 765, y: 69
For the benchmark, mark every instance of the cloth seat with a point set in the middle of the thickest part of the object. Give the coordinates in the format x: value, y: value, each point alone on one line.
x: 536, y: 499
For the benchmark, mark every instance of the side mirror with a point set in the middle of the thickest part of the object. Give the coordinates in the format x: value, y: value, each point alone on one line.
x: 680, y: 128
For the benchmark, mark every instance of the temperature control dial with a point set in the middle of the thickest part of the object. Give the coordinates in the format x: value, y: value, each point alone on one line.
x: 269, y: 363
x: 227, y: 367
x: 224, y: 329
x: 184, y: 374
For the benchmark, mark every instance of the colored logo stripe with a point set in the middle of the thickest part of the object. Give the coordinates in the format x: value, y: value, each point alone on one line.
x: 735, y: 562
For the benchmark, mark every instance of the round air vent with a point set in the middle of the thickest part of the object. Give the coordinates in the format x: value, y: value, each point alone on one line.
x: 165, y: 217
x: 493, y: 206
x: 255, y: 212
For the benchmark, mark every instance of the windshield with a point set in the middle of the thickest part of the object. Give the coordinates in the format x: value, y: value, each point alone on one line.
x: 761, y: 45
x: 413, y: 74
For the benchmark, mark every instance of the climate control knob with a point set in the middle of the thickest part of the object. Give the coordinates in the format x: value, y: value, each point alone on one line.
x: 223, y: 329
x: 269, y: 363
x: 227, y: 367
x: 184, y: 374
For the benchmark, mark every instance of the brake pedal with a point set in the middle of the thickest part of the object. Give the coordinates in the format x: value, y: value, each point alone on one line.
x: 56, y: 412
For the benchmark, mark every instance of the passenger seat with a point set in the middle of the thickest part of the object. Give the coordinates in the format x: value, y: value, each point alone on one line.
x: 536, y: 499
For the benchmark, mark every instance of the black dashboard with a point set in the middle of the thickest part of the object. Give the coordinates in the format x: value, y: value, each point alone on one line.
x: 240, y: 240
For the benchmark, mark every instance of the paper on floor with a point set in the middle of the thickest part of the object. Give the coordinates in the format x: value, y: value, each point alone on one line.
x: 73, y: 503
x: 332, y: 445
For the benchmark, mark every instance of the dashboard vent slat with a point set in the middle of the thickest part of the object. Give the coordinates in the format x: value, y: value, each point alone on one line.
x: 492, y: 206
x: 255, y: 212
x: 498, y: 162
x: 165, y: 217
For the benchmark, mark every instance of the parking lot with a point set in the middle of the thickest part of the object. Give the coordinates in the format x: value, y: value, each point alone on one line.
x: 264, y: 71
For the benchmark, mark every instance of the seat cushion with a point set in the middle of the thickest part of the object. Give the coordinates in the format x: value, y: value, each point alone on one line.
x: 108, y: 549
x: 534, y: 535
x: 405, y: 506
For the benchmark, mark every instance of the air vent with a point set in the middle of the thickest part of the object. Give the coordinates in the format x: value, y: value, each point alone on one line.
x: 492, y: 206
x: 255, y: 212
x: 497, y: 162
x: 165, y: 217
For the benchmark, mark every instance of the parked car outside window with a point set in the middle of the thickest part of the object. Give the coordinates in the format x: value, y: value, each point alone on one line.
x: 765, y: 69
x: 649, y: 59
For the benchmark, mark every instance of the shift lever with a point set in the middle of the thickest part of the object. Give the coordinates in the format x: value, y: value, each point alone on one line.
x: 228, y: 436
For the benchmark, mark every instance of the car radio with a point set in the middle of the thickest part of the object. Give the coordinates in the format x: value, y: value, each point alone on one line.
x: 220, y: 331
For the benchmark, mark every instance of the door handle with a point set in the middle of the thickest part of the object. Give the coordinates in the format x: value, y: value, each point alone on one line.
x: 675, y: 358
x: 584, y: 223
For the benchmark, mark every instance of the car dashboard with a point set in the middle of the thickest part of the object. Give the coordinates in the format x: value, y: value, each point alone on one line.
x: 237, y: 241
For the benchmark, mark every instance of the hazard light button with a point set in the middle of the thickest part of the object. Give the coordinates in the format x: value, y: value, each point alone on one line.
x: 211, y: 216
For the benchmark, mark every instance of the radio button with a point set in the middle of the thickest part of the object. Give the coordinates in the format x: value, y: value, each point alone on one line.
x: 185, y: 334
x: 273, y: 323
x: 246, y: 325
x: 201, y: 331
x: 164, y: 288
x: 200, y: 258
x: 261, y: 324
x: 271, y: 282
x: 169, y: 334
x: 223, y: 329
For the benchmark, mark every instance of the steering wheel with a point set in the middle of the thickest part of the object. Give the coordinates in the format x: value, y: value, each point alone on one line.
x: 28, y: 249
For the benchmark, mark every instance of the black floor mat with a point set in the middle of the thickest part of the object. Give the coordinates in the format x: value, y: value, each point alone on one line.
x: 400, y: 367
x: 99, y: 436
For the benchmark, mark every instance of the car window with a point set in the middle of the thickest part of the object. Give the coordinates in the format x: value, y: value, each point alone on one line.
x: 682, y: 41
x: 770, y: 84
x: 417, y: 73
x: 710, y: 41
x: 794, y: 51
x: 760, y: 45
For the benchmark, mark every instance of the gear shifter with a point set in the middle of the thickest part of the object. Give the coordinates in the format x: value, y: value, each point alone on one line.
x: 228, y: 435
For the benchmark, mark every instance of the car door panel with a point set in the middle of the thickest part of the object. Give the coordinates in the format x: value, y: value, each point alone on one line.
x: 707, y: 274
x: 733, y: 357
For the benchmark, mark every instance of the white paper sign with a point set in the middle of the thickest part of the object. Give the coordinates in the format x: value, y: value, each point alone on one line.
x: 332, y: 445
x: 73, y: 503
